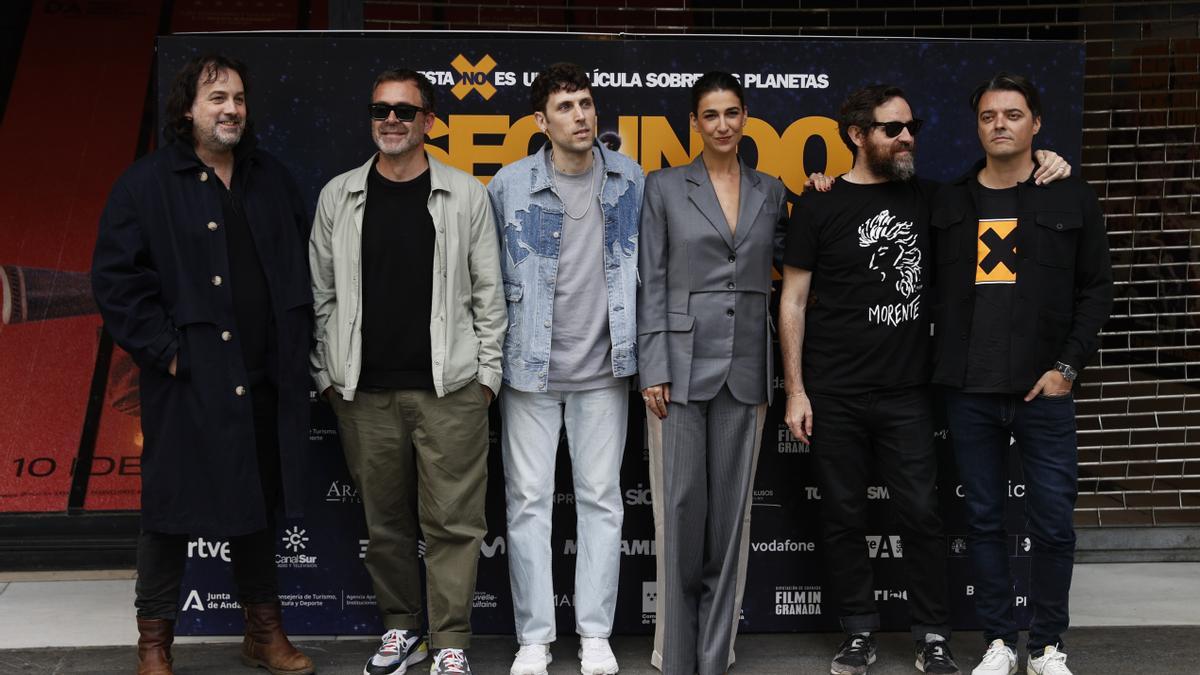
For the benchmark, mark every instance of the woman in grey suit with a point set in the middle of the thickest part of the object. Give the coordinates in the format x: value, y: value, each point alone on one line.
x: 708, y: 234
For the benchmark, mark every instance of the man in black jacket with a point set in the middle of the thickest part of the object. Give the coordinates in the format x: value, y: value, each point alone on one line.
x: 200, y: 274
x: 1025, y: 284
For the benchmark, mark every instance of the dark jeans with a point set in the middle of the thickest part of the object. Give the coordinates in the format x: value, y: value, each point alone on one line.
x: 161, y: 557
x: 893, y: 429
x: 1044, y: 429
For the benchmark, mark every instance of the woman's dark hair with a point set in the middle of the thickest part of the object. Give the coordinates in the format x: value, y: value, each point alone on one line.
x: 716, y: 80
x: 405, y: 75
x: 1009, y: 82
x: 858, y: 110
x: 181, y: 95
x: 560, y: 76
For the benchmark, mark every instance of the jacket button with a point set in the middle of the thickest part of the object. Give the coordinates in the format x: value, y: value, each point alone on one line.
x: 203, y: 176
x: 731, y: 285
x: 729, y: 312
x: 216, y: 280
x: 226, y: 335
x: 555, y: 235
x: 546, y: 324
x: 1058, y: 226
x: 239, y: 390
x: 212, y: 226
x: 733, y: 258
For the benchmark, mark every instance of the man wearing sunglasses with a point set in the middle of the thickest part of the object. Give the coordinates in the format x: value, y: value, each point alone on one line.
x: 1025, y: 282
x: 410, y: 321
x: 853, y: 311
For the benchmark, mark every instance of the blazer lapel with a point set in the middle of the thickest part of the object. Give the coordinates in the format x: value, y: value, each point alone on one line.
x: 750, y: 202
x: 702, y: 194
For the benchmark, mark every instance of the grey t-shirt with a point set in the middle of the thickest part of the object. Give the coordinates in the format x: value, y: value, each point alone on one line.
x: 580, y: 346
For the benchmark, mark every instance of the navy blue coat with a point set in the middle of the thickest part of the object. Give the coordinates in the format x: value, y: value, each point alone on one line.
x: 158, y: 274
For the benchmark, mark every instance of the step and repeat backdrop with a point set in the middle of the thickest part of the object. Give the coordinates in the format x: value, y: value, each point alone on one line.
x: 308, y: 97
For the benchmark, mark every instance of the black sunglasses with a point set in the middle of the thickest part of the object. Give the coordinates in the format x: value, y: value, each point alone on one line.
x: 404, y: 112
x: 893, y: 129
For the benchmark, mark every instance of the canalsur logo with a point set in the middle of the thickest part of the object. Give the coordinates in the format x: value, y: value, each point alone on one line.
x: 295, y: 539
x: 473, y: 77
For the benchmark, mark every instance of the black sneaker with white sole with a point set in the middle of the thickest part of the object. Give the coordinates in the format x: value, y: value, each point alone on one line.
x: 398, y: 650
x: 933, y: 656
x: 854, y: 656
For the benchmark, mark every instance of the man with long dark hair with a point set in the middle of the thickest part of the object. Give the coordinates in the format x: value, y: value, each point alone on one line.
x: 199, y: 273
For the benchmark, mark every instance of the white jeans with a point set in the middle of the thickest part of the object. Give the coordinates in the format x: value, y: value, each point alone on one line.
x: 596, y: 422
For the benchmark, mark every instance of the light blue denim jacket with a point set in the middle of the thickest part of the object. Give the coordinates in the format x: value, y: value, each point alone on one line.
x: 529, y: 218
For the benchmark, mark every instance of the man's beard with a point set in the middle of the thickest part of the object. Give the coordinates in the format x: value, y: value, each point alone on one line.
x: 885, y: 159
x: 220, y: 137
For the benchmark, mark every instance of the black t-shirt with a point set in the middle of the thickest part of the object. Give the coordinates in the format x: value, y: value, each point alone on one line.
x: 255, y: 324
x: 867, y: 326
x: 995, y: 279
x: 397, y: 284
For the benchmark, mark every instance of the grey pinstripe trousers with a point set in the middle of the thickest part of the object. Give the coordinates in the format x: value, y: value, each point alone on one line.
x: 701, y: 579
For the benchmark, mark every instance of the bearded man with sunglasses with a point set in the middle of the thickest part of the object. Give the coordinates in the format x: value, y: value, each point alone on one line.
x: 401, y: 243
x: 854, y: 312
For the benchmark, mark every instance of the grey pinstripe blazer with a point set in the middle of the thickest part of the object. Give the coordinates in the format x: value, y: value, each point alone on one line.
x: 703, y: 317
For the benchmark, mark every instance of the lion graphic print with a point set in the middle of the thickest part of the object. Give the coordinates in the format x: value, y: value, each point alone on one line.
x: 896, y: 260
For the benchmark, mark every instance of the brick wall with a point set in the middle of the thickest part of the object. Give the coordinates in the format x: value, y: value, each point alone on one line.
x: 1139, y: 410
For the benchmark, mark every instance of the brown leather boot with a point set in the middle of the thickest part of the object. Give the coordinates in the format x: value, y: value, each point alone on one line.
x: 154, y: 646
x: 266, y: 646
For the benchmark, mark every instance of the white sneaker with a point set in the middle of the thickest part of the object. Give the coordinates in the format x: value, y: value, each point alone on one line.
x: 531, y: 660
x: 999, y: 659
x: 398, y: 650
x: 1051, y: 662
x: 596, y: 657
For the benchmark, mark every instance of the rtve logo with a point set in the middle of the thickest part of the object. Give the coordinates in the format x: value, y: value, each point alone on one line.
x: 473, y: 77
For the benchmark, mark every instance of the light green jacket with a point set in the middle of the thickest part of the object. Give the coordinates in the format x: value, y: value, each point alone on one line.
x: 467, y: 317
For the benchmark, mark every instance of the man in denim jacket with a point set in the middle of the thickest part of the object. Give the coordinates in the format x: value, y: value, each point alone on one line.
x: 567, y: 218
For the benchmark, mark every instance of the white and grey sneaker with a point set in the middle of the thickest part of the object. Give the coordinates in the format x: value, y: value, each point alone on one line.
x: 1051, y: 662
x: 531, y: 660
x: 450, y: 662
x: 596, y: 657
x: 398, y: 650
x: 999, y: 659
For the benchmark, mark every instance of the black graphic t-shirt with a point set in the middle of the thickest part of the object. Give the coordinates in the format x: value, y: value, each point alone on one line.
x: 867, y: 326
x: 995, y: 279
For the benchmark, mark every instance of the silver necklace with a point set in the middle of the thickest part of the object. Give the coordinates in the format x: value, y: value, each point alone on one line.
x: 591, y: 189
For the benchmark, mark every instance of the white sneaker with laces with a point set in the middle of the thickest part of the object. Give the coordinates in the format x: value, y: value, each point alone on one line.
x: 450, y: 661
x: 596, y: 657
x: 999, y: 659
x: 1051, y: 662
x: 398, y: 649
x: 531, y: 660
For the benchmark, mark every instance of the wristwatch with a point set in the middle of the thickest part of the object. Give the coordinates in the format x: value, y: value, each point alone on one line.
x: 1069, y: 374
